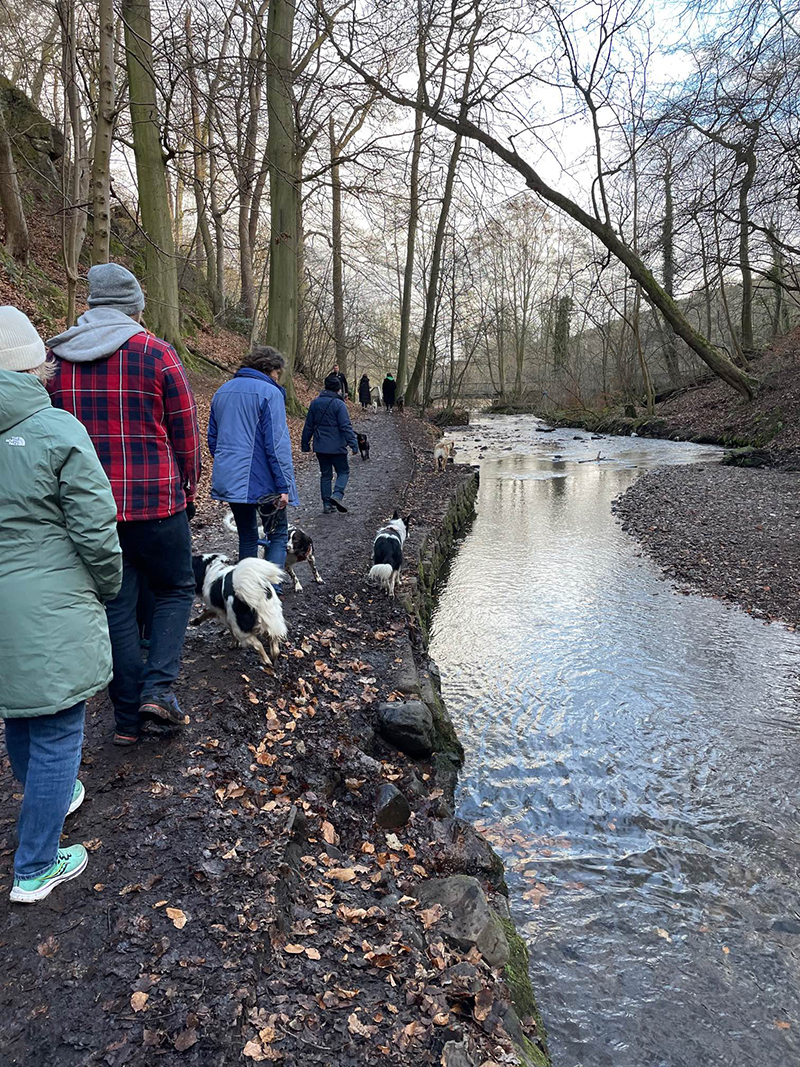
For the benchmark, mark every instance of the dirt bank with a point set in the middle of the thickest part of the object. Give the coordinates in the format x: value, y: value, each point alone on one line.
x: 726, y: 532
x: 241, y: 903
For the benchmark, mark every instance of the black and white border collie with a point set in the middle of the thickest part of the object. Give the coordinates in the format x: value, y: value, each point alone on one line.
x: 299, y: 549
x: 387, y: 552
x: 242, y: 597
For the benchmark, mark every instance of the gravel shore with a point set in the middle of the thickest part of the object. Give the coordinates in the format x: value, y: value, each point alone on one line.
x: 726, y: 532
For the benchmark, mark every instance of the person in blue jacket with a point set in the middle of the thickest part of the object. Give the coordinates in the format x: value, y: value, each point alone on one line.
x: 328, y: 425
x: 249, y: 440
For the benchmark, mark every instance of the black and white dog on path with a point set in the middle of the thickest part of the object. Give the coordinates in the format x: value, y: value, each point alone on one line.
x: 299, y: 549
x: 242, y: 597
x: 387, y: 552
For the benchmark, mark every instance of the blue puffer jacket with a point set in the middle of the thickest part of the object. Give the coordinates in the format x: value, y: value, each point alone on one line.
x: 329, y: 424
x: 249, y: 440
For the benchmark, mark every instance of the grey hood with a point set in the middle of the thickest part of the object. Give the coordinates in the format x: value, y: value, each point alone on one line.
x: 99, y: 333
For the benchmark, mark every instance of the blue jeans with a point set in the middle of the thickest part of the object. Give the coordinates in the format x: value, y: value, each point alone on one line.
x: 157, y: 552
x: 328, y: 462
x: 45, y: 753
x: 246, y: 518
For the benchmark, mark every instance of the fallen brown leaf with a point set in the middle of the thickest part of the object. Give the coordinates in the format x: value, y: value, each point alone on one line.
x: 139, y: 1001
x: 185, y: 1040
x: 341, y: 874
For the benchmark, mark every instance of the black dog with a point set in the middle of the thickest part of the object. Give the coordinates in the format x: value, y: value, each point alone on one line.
x: 363, y: 445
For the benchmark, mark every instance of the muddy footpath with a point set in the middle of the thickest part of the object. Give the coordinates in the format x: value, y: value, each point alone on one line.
x: 284, y: 879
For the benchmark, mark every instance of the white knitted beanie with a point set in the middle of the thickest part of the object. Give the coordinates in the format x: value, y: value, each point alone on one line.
x: 21, y: 347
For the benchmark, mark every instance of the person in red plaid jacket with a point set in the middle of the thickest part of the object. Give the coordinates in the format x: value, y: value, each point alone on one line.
x: 130, y: 391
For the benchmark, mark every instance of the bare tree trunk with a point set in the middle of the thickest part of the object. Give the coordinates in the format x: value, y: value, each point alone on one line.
x: 647, y: 381
x: 216, y: 215
x: 413, y: 222
x: 340, y: 347
x: 48, y: 44
x: 302, y: 285
x: 103, y: 134
x: 780, y: 314
x: 748, y: 342
x: 668, y: 249
x: 17, y: 241
x: 284, y: 191
x: 161, y: 273
x: 75, y: 171
x: 433, y: 279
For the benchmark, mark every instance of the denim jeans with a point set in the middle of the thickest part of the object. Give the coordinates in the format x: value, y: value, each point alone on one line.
x: 246, y: 518
x: 158, y: 552
x: 327, y: 463
x: 45, y: 753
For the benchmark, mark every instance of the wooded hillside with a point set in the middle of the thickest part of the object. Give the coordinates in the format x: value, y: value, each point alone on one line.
x: 582, y: 203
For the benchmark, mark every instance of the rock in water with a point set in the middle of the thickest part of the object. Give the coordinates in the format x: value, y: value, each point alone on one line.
x: 408, y: 726
x: 471, y: 922
x: 393, y: 810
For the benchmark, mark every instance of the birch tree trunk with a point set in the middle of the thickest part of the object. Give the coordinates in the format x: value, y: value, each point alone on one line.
x: 161, y: 271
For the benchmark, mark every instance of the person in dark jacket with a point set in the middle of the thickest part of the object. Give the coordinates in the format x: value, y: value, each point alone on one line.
x: 59, y: 560
x: 328, y: 426
x: 342, y: 381
x: 249, y: 440
x: 364, y: 392
x: 389, y: 391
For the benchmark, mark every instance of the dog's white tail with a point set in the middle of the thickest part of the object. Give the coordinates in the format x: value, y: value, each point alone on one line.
x: 230, y: 524
x: 382, y: 573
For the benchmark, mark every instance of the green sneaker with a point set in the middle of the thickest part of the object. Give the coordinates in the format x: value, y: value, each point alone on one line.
x: 69, y: 864
x: 78, y: 793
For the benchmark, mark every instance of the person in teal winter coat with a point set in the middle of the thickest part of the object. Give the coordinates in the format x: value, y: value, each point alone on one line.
x: 59, y: 561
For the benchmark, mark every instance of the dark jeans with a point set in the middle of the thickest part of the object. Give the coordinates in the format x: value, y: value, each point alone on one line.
x: 328, y: 462
x: 277, y: 533
x: 45, y: 753
x: 157, y: 552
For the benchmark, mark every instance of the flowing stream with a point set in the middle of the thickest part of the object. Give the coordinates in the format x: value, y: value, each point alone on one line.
x: 633, y: 754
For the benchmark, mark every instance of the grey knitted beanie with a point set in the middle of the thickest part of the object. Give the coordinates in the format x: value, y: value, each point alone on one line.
x: 111, y: 285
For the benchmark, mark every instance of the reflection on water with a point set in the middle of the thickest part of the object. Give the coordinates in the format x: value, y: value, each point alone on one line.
x: 633, y: 755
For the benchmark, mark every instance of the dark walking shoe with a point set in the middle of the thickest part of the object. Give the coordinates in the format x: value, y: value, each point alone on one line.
x: 124, y: 740
x: 337, y: 503
x: 165, y: 708
x: 327, y: 509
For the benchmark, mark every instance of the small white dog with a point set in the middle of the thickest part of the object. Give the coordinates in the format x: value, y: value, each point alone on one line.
x: 242, y: 597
